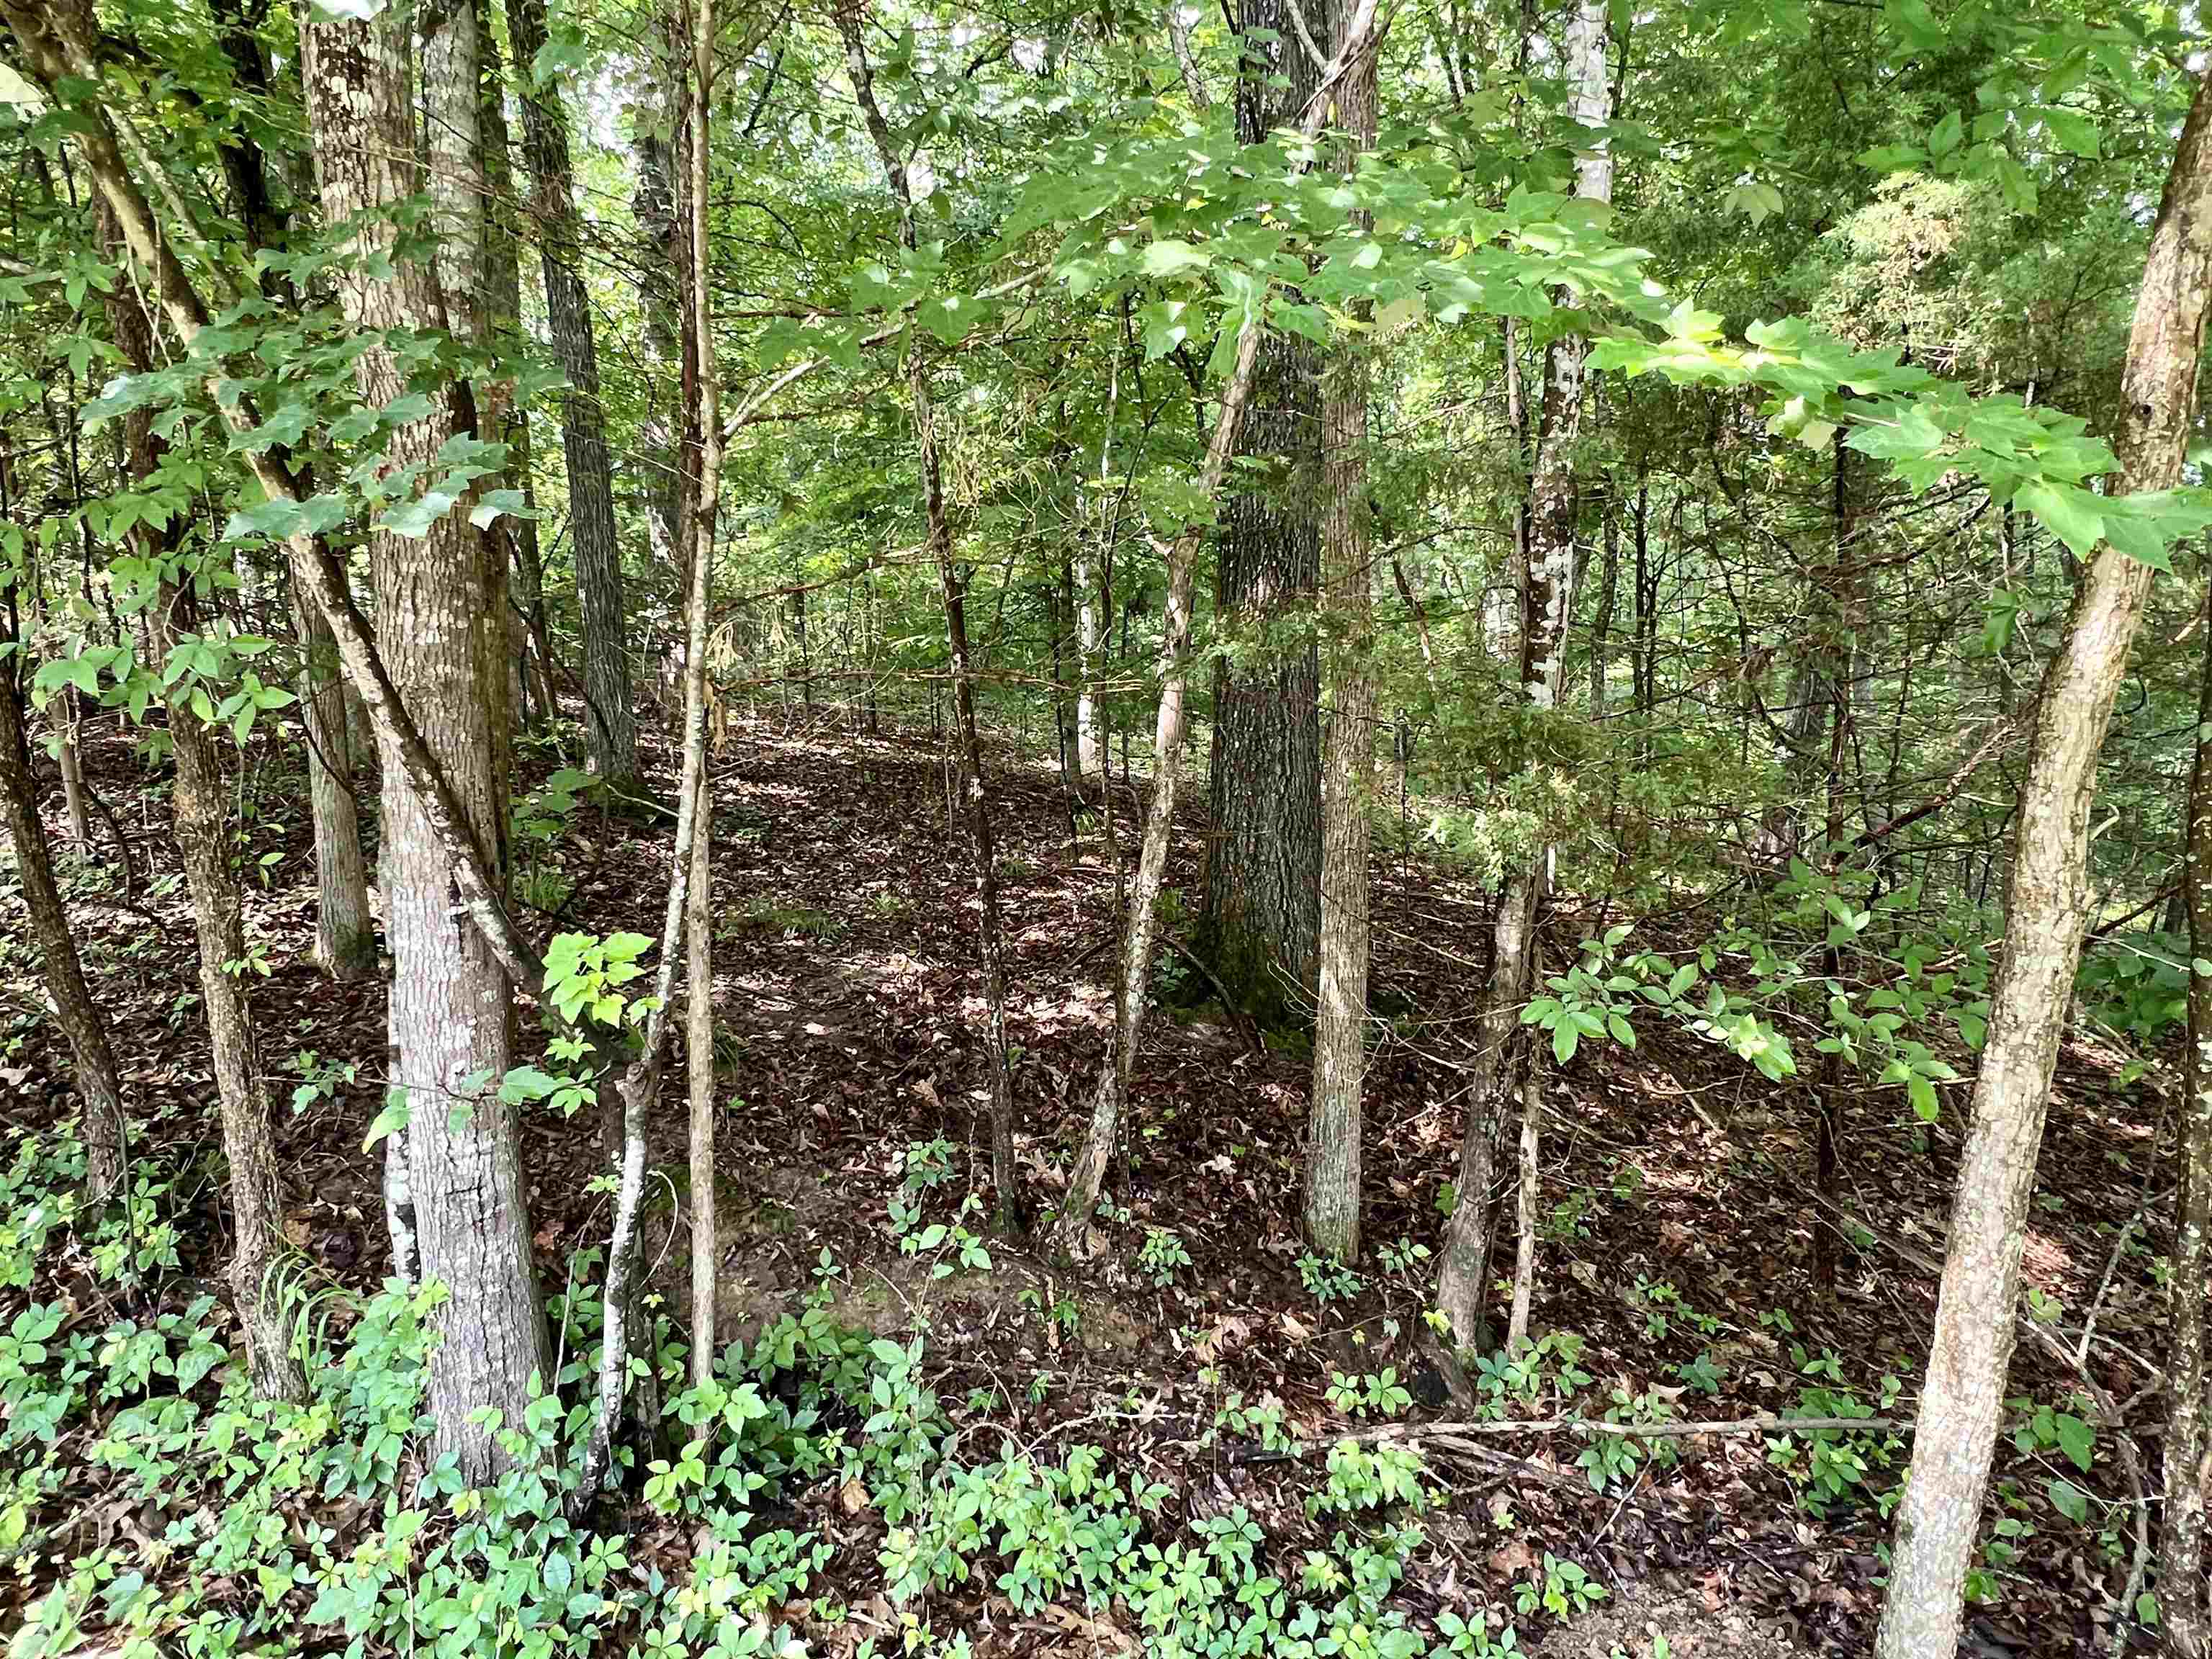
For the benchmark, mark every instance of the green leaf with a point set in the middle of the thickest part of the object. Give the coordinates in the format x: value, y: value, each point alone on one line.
x: 2073, y: 515
x: 2076, y: 1439
x: 2067, y: 1499
x: 1565, y: 1035
x: 1169, y: 258
x: 1623, y: 1032
x: 391, y: 1120
x: 1925, y: 1105
x: 2073, y: 132
x: 1945, y: 137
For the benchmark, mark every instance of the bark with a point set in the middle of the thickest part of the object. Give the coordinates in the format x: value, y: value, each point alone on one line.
x: 505, y: 418
x: 345, y: 933
x: 2046, y: 909
x: 1140, y: 917
x: 441, y: 603
x: 662, y: 163
x: 1524, y: 1258
x: 1005, y: 1173
x: 2181, y: 1526
x: 699, y: 1054
x: 1261, y: 923
x: 1340, y: 1058
x: 106, y: 1130
x: 1546, y: 595
x: 1609, y: 583
x: 609, y: 714
x: 702, y: 482
x: 72, y: 771
x: 257, y: 1210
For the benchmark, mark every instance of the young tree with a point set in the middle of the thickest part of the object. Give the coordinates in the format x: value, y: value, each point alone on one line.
x: 1547, y: 600
x: 441, y: 603
x: 2046, y: 913
x: 1339, y: 1057
x: 1005, y: 1173
x: 610, y: 716
x: 98, y: 1083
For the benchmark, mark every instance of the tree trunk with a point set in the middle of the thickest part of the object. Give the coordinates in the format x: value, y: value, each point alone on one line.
x: 703, y: 485
x: 440, y: 603
x: 1546, y: 600
x: 2181, y: 1528
x: 1005, y: 1173
x: 2046, y: 911
x: 610, y: 715
x: 663, y: 163
x: 699, y: 1059
x: 1261, y: 923
x: 257, y: 1210
x: 1140, y: 915
x: 345, y: 934
x: 106, y: 1131
x: 1608, y: 582
x: 505, y: 419
x: 204, y: 842
x: 1340, y: 1057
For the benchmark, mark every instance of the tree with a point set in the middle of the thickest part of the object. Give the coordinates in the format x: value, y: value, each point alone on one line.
x: 1334, y: 1137
x: 98, y: 1083
x: 1005, y: 1173
x: 441, y: 603
x: 2046, y: 913
x: 609, y: 715
x: 1546, y: 579
x: 1140, y: 921
x: 1261, y: 923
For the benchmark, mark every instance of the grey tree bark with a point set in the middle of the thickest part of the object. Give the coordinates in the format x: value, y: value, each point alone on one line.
x: 1261, y: 925
x: 2187, y: 1455
x: 1336, y: 1130
x: 2046, y: 913
x: 699, y: 1060
x: 610, y: 716
x: 441, y: 600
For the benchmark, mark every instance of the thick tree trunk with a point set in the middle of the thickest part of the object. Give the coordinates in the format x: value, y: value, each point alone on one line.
x: 1140, y: 917
x: 610, y: 717
x: 2046, y: 912
x: 1335, y: 1134
x: 441, y: 603
x: 2181, y: 1524
x: 1546, y: 584
x: 107, y: 1138
x: 1005, y: 1173
x: 1261, y: 927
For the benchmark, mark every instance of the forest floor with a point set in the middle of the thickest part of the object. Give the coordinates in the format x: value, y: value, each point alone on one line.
x: 1677, y: 1242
